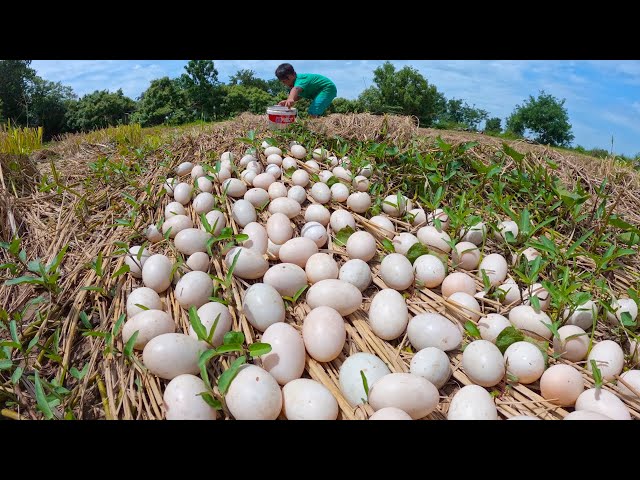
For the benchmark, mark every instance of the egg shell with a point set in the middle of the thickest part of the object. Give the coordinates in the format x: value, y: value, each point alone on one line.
x: 274, y: 159
x: 320, y: 192
x: 142, y: 296
x: 172, y: 209
x: 339, y: 192
x: 431, y: 237
x: 192, y: 240
x: 419, y: 217
x: 361, y: 245
x: 182, y: 193
x: 300, y: 177
x: 285, y: 362
x: 298, y: 151
x: 561, y: 385
x: 297, y: 193
x: 474, y: 234
x: 491, y: 325
x: 194, y: 289
x: 263, y: 306
x: 176, y: 224
x: 504, y: 227
x: 388, y: 314
x: 574, y: 349
x: 258, y: 197
x: 321, y: 266
x: 153, y: 234
x: 350, y: 378
x: 465, y: 255
x: 234, y: 187
x: 466, y: 306
x: 243, y: 213
x: 432, y: 364
x: 386, y: 226
x: 172, y: 354
x: 182, y: 399
x: 429, y: 270
x: 324, y: 333
x: 396, y: 271
x: 184, y: 168
x: 603, y: 402
x: 631, y: 377
x: 257, y: 237
x: 524, y: 317
x: 250, y: 265
x: 524, y: 361
x: 585, y: 415
x: 457, y: 282
x: 227, y: 157
x: 285, y: 205
x: 433, y: 330
x: 298, y: 250
x: 208, y: 313
x: 254, y: 395
x: 204, y: 184
x: 156, y: 273
x: 149, y: 324
x: 288, y: 162
x: 342, y: 296
x: 609, y: 358
x: 136, y: 260
x: 390, y: 206
x: 357, y: 273
x: 306, y: 399
x: 582, y: 316
x: 169, y: 185
x: 472, y: 403
x: 317, y: 213
x: 483, y: 363
x: 270, y: 150
x: 359, y: 202
x: 286, y: 278
x: 411, y: 393
x: 316, y: 232
x: 203, y: 203
x: 403, y: 242
x: 390, y: 413
x: 495, y: 266
x: 340, y: 219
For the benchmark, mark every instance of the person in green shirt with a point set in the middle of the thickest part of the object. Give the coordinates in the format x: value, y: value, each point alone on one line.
x: 318, y: 88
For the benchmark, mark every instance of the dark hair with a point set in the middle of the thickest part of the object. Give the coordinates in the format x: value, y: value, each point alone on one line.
x: 284, y: 70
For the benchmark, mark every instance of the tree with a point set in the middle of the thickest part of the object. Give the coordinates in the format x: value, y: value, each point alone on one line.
x: 493, y: 125
x: 100, y: 109
x: 15, y: 76
x: 405, y: 91
x: 546, y: 117
x: 344, y: 105
x: 240, y: 98
x: 459, y: 113
x: 204, y: 91
x: 48, y: 105
x: 163, y: 102
x: 247, y: 78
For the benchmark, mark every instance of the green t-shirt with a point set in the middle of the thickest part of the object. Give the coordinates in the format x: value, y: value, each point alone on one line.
x: 312, y: 84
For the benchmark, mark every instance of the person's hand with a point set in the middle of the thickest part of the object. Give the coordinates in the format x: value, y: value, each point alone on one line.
x: 288, y: 103
x: 282, y: 103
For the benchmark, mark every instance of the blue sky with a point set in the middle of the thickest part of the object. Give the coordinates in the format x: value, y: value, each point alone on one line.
x: 602, y: 97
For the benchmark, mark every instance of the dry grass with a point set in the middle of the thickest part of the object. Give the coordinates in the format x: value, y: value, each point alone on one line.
x: 82, y: 214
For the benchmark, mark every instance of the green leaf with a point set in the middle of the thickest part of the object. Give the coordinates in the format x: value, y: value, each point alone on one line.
x: 416, y: 251
x: 5, y: 364
x: 388, y: 245
x: 121, y: 271
x: 486, y: 281
x: 98, y: 264
x: 17, y: 374
x: 231, y: 338
x: 241, y: 237
x: 257, y: 349
x: 597, y: 375
x: 365, y: 385
x: 212, y: 402
x: 227, y: 281
x: 203, y: 361
x: 300, y: 291
x: 472, y: 329
x: 332, y: 181
x: 118, y: 325
x: 228, y: 375
x: 535, y: 302
x: 14, y: 333
x: 128, y: 348
x: 85, y: 320
x: 343, y: 235
x: 508, y: 336
x: 79, y: 374
x: 212, y: 331
x: 41, y: 399
x: 32, y: 343
x: 196, y: 324
x: 23, y: 279
x: 230, y: 347
x: 627, y: 321
x: 517, y: 156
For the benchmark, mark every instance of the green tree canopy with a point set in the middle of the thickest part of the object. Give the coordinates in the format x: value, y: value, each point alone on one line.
x: 461, y: 113
x: 204, y: 91
x: 241, y: 98
x: 546, y: 117
x: 48, y: 105
x: 100, y: 109
x: 493, y: 125
x: 163, y: 102
x: 15, y: 76
x: 405, y: 91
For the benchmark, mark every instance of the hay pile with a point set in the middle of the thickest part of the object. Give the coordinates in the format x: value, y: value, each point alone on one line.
x: 81, y: 216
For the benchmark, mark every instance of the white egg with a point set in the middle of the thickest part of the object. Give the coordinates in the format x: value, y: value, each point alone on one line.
x: 387, y: 227
x: 176, y: 224
x: 495, y: 266
x: 184, y: 168
x: 279, y: 228
x: 350, y: 378
x: 244, y: 161
x: 476, y: 234
x: 442, y: 217
x: 285, y: 362
x: 366, y: 171
x: 298, y: 250
x: 288, y: 163
x: 340, y: 219
x: 312, y: 165
x: 274, y: 159
x: 153, y: 234
x: 149, y: 324
x: 390, y: 205
x: 321, y: 266
x: 254, y: 395
x: 467, y: 304
x: 472, y: 403
x: 320, y: 154
x: 203, y: 203
x: 621, y: 306
x: 257, y: 237
x: 390, y: 413
x: 339, y: 192
x: 325, y: 176
x: 337, y: 294
x: 342, y: 173
x: 317, y: 213
x: 361, y: 183
x: 432, y: 364
x: 320, y: 192
x: 359, y: 202
x: 357, y: 273
x: 300, y: 177
x: 197, y: 172
x: 243, y: 212
x: 631, y: 377
x: 324, y: 333
x: 182, y: 399
x: 603, y: 402
x: 297, y: 193
x: 431, y: 237
x: 511, y: 293
x: 433, y: 330
x: 234, y: 187
x: 582, y: 315
x: 274, y: 170
x: 156, y: 273
x: 316, y: 232
x: 209, y: 314
x: 483, y: 363
x: 504, y: 227
x: 194, y: 289
x: 419, y: 217
x: 182, y: 193
x: 263, y: 180
x: 361, y: 245
x: 223, y: 174
x: 410, y: 393
x: 403, y: 242
x: 172, y: 354
x: 572, y: 343
x: 192, y: 240
x: 585, y: 415
x: 285, y: 205
x: 227, y: 157
x: 457, y: 282
x: 465, y: 255
x: 286, y: 278
x: 204, y: 184
x: 142, y: 296
x: 169, y: 185
x: 254, y: 166
x: 172, y: 209
x: 561, y: 385
x: 429, y: 270
x: 388, y: 314
x: 136, y: 259
x: 216, y: 220
x: 609, y: 358
x: 396, y: 271
x: 258, y: 197
x: 248, y: 176
x: 298, y: 151
x: 306, y: 399
x: 524, y: 317
x: 263, y: 306
x: 537, y: 290
x: 277, y: 190
x: 491, y: 325
x: 250, y: 265
x: 524, y: 361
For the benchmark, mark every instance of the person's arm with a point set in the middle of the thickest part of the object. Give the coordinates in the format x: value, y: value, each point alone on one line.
x: 293, y: 97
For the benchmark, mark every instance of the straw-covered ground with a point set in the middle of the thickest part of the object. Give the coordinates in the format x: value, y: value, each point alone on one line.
x: 79, y: 204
